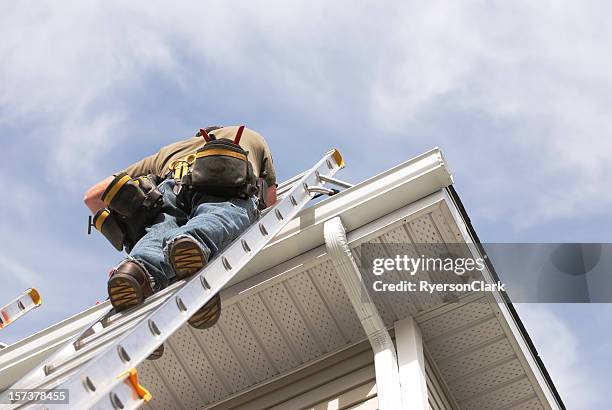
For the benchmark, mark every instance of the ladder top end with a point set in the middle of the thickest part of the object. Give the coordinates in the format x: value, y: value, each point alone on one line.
x: 338, y: 158
x: 35, y: 296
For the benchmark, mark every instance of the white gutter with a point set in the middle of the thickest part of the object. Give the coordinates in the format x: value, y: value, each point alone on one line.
x: 365, y: 202
x: 385, y: 358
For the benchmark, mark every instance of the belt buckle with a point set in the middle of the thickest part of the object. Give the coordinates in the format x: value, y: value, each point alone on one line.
x: 179, y: 168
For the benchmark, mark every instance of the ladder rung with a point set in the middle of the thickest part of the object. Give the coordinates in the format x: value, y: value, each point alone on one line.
x: 291, y: 181
x: 72, y: 363
x: 153, y: 299
x: 119, y: 323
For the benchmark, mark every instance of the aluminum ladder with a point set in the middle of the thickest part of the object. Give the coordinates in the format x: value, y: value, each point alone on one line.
x: 98, y: 367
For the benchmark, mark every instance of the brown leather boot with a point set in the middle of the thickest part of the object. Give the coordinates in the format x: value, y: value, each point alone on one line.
x: 128, y: 286
x: 187, y: 258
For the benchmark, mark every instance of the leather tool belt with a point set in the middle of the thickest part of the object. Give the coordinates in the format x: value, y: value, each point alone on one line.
x: 132, y: 204
x: 221, y: 168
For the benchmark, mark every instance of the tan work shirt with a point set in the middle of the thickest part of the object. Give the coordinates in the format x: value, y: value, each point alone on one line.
x: 158, y: 164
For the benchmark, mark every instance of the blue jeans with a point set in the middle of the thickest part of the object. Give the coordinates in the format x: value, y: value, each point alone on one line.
x: 211, y: 221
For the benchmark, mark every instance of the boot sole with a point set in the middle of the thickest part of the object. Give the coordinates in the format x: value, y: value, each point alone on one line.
x: 124, y: 292
x: 208, y: 315
x: 187, y: 259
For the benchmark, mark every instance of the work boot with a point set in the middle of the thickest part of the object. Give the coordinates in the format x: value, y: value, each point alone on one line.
x: 128, y: 286
x: 208, y: 315
x: 187, y: 258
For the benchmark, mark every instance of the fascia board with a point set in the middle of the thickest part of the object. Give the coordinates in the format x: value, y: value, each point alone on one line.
x: 519, y: 340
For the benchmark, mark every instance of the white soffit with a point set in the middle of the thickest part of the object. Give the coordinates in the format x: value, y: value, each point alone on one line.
x: 297, y: 314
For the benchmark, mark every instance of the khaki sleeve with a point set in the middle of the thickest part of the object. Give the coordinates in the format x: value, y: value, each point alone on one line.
x: 145, y: 166
x: 156, y: 163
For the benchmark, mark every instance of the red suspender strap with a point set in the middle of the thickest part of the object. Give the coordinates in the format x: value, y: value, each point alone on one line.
x: 204, y: 134
x: 238, y: 135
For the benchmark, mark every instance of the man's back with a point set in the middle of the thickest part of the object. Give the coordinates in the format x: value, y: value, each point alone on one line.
x: 259, y: 156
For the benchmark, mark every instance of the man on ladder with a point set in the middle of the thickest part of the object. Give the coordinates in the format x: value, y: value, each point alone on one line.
x: 174, y: 210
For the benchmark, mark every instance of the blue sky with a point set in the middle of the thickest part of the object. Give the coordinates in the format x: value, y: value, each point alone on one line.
x: 516, y: 94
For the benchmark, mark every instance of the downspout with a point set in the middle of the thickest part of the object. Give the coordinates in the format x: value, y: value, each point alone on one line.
x: 385, y: 358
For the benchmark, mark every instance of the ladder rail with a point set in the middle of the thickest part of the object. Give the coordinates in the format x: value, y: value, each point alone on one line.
x: 95, y: 383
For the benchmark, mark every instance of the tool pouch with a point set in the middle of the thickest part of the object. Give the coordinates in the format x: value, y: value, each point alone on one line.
x: 121, y: 231
x: 125, y: 195
x: 221, y: 168
x: 109, y: 226
x: 132, y: 206
x: 135, y: 226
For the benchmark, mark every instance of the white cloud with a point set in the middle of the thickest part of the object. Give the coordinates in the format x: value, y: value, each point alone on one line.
x: 563, y: 356
x: 541, y: 66
x: 67, y: 69
x: 14, y: 270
